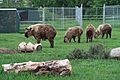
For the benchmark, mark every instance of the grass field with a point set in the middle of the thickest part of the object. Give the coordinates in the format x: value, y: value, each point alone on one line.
x: 83, y: 69
x: 59, y: 24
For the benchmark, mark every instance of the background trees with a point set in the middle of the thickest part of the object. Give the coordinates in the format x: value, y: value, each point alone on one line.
x: 57, y: 3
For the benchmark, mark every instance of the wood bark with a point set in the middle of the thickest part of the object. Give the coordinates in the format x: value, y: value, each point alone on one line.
x: 55, y: 67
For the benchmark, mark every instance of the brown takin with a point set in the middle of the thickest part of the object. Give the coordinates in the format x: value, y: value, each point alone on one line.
x: 90, y: 30
x: 98, y: 32
x: 103, y: 29
x: 41, y: 31
x: 73, y: 32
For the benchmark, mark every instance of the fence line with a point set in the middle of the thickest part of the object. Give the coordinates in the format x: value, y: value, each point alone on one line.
x: 112, y: 15
x: 64, y: 17
x: 57, y: 16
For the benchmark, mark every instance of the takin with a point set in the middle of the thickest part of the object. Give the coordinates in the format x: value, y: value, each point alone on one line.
x: 90, y: 30
x: 41, y: 32
x: 73, y: 32
x: 103, y: 29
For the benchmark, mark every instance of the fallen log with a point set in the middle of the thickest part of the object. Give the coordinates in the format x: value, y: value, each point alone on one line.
x: 29, y: 47
x: 23, y: 48
x: 8, y: 51
x: 55, y: 67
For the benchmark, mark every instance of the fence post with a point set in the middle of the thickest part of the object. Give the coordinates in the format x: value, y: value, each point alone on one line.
x: 63, y: 17
x: 104, y: 13
x: 81, y: 9
x: 114, y: 15
x: 117, y: 14
x: 43, y: 15
x: 53, y: 16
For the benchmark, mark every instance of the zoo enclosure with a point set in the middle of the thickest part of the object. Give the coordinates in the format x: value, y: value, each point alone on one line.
x: 65, y: 17
x: 59, y: 17
x: 62, y: 17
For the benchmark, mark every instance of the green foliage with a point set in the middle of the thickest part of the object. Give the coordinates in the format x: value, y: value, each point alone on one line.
x: 16, y: 3
x: 58, y: 3
x: 72, y: 3
x: 77, y: 54
x: 98, y: 51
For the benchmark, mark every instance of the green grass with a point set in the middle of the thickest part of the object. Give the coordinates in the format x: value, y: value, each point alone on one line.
x: 59, y: 24
x: 83, y: 69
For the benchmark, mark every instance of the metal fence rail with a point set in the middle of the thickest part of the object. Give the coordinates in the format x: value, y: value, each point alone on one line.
x: 65, y: 17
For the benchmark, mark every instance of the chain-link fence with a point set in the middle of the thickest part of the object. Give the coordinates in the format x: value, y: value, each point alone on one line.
x: 112, y: 15
x: 65, y: 17
x: 59, y: 17
x: 92, y: 16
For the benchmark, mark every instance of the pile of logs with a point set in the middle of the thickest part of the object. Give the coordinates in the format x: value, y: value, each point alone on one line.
x: 55, y: 67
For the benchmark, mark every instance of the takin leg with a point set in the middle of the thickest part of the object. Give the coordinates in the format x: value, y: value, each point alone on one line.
x: 51, y: 41
x: 78, y: 39
x: 69, y: 40
x: 38, y: 41
x: 87, y: 40
x: 109, y: 34
x: 103, y: 35
x: 74, y: 38
x: 106, y: 35
x: 91, y: 39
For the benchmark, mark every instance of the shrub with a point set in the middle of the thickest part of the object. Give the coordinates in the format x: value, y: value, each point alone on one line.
x: 97, y: 51
x: 76, y: 54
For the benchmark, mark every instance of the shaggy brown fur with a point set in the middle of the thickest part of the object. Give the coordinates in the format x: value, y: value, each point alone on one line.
x: 90, y: 30
x: 98, y: 32
x: 41, y: 31
x: 73, y: 33
x: 104, y: 29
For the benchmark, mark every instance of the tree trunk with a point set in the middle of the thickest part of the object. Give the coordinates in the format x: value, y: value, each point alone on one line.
x: 59, y: 67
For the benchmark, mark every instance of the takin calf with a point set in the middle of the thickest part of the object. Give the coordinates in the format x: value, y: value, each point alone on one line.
x: 90, y: 30
x: 103, y: 29
x: 73, y: 32
x: 41, y: 31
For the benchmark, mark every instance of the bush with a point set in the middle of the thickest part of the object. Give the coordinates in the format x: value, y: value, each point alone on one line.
x: 77, y: 53
x: 97, y: 51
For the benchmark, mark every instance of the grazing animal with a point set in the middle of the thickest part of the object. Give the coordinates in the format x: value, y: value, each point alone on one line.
x: 41, y: 32
x: 73, y: 32
x: 98, y: 32
x: 90, y: 30
x: 103, y: 29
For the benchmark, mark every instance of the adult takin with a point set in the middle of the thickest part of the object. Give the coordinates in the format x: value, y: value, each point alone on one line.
x: 41, y: 32
x: 72, y: 33
x: 103, y: 29
x: 90, y: 30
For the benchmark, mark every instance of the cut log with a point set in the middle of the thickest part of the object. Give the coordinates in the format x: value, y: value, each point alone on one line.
x: 59, y: 67
x: 29, y: 47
